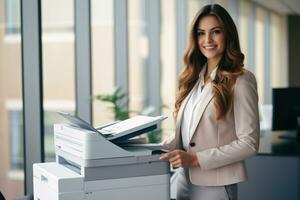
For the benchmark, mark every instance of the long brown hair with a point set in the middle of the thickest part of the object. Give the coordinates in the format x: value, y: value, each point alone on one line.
x: 229, y: 68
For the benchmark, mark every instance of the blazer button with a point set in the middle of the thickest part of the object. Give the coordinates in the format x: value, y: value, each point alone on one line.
x: 192, y: 144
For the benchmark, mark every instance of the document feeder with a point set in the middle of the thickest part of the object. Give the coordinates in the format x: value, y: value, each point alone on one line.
x: 130, y: 124
x: 120, y: 130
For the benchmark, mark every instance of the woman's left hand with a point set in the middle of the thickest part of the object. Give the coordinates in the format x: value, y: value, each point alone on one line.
x: 179, y: 158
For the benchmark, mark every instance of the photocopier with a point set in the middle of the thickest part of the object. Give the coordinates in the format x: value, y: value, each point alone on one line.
x: 103, y: 163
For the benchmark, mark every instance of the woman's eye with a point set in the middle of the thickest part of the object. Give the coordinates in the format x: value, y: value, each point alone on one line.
x: 200, y: 33
x: 216, y: 32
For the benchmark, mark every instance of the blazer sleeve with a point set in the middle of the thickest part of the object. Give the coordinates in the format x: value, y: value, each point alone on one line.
x: 169, y: 143
x: 246, y: 118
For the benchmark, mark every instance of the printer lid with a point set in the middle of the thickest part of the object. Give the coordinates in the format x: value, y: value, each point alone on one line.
x: 78, y: 122
x: 119, y: 131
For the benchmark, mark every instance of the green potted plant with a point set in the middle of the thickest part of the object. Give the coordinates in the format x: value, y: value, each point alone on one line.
x: 117, y: 101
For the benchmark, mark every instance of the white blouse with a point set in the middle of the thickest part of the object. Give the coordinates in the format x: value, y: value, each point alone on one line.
x: 199, y: 92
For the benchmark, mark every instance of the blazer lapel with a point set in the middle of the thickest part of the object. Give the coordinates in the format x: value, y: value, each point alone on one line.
x: 199, y: 110
x: 181, y: 109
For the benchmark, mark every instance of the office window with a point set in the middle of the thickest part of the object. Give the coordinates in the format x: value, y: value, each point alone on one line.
x: 58, y: 19
x: 58, y: 65
x: 168, y: 63
x: 278, y: 52
x: 12, y: 16
x: 243, y: 28
x: 260, y: 17
x: 103, y: 69
x: 11, y: 112
x: 15, y: 118
x: 193, y: 6
x: 138, y: 54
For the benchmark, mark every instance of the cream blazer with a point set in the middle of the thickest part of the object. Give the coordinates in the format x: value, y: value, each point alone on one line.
x: 222, y: 146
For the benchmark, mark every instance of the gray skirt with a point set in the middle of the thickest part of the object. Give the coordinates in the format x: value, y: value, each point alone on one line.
x: 187, y: 191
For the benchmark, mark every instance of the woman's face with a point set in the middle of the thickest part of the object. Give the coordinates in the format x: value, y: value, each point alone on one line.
x: 211, y: 38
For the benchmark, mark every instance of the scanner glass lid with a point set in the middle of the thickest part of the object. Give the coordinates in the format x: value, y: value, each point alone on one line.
x: 77, y: 121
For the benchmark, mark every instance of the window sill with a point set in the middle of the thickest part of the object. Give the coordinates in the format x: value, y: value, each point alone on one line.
x: 67, y: 37
x: 17, y: 175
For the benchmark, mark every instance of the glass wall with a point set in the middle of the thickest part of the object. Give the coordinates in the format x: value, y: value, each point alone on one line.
x: 193, y: 7
x: 58, y: 66
x: 138, y: 54
x: 279, y: 51
x: 168, y: 63
x: 244, y: 29
x: 11, y: 111
x: 259, y: 51
x: 103, y: 68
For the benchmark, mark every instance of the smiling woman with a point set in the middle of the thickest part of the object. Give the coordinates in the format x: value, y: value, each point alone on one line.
x: 211, y: 39
x: 216, y: 111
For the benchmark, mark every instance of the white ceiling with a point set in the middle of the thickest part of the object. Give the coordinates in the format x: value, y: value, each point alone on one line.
x: 281, y: 6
